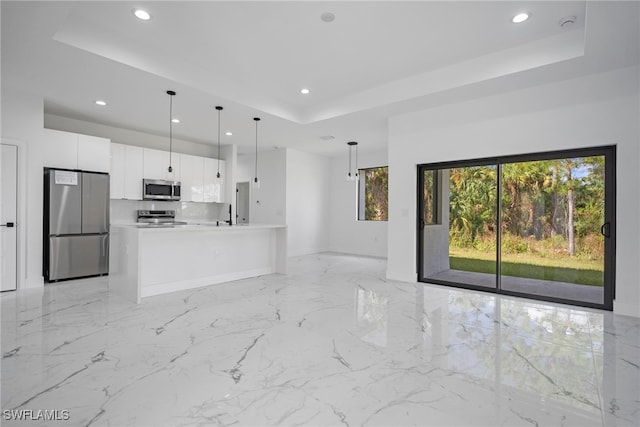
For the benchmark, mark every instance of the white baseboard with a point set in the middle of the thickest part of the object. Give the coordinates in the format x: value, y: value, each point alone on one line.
x: 402, y: 276
x: 182, y: 285
x: 626, y: 308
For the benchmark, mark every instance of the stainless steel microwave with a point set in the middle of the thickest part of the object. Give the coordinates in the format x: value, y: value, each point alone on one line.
x: 159, y: 189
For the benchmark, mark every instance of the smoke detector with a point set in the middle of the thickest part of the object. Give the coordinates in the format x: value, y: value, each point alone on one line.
x: 327, y: 17
x: 327, y: 137
x: 567, y: 21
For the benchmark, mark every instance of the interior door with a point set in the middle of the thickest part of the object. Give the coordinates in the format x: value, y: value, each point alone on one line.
x: 8, y: 216
x: 242, y: 202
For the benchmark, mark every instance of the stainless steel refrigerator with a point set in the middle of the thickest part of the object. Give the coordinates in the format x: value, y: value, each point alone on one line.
x: 76, y: 224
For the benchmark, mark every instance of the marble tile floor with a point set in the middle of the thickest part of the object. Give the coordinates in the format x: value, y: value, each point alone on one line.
x: 332, y: 343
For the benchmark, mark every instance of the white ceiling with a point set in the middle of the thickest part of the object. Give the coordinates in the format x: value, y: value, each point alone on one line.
x: 377, y: 59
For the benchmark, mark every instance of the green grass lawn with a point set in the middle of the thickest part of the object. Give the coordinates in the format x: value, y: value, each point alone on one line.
x: 530, y: 266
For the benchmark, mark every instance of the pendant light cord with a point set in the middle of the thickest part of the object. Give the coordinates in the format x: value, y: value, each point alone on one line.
x: 256, y: 166
x: 219, y: 109
x: 171, y: 95
x: 356, y: 170
x: 170, y: 129
x: 355, y: 175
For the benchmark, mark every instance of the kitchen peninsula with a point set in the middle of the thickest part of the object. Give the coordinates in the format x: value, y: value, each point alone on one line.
x: 146, y: 260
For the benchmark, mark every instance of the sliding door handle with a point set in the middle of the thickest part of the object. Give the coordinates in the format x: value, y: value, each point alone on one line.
x: 8, y: 225
x: 605, y: 230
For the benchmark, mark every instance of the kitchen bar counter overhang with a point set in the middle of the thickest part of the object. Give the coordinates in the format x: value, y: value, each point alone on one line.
x: 146, y: 260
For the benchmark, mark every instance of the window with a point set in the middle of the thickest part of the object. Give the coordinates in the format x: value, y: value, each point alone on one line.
x: 430, y: 194
x: 373, y: 188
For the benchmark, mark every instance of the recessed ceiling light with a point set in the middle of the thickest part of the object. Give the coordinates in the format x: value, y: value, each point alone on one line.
x: 228, y: 133
x: 100, y: 102
x: 328, y: 17
x: 175, y: 120
x: 142, y: 14
x: 304, y: 91
x: 521, y: 17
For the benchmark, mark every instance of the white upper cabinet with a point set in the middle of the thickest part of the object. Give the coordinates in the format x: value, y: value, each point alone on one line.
x: 191, y: 179
x: 197, y: 175
x: 74, y: 151
x: 133, y: 164
x: 214, y: 187
x: 126, y: 172
x: 117, y: 177
x: 60, y: 150
x: 94, y: 153
x: 156, y: 164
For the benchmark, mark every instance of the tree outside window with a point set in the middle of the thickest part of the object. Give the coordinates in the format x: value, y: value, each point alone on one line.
x: 373, y: 194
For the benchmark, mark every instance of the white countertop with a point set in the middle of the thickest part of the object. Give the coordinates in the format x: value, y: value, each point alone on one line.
x: 201, y: 226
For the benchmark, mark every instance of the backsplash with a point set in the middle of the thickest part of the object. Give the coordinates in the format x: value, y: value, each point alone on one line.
x: 124, y: 211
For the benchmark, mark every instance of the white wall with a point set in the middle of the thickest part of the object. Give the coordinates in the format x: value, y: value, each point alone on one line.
x: 268, y: 204
x: 347, y: 234
x: 596, y: 110
x: 294, y: 190
x: 22, y: 119
x: 308, y: 205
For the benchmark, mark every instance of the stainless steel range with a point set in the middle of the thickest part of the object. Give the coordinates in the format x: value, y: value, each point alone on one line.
x: 158, y: 218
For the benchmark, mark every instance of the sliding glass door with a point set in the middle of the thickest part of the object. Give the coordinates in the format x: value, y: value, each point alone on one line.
x: 552, y: 240
x: 459, y: 224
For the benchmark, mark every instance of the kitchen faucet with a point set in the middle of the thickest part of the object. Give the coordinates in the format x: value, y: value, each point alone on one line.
x: 230, y: 222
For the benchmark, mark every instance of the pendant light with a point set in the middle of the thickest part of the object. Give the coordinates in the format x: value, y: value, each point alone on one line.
x: 352, y: 176
x: 256, y: 182
x: 219, y: 108
x: 171, y: 94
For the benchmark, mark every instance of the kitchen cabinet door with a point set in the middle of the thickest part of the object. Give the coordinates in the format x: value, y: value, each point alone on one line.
x: 133, y: 169
x: 61, y: 149
x: 156, y: 164
x: 94, y: 153
x: 191, y: 178
x: 214, y: 187
x: 118, y: 171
